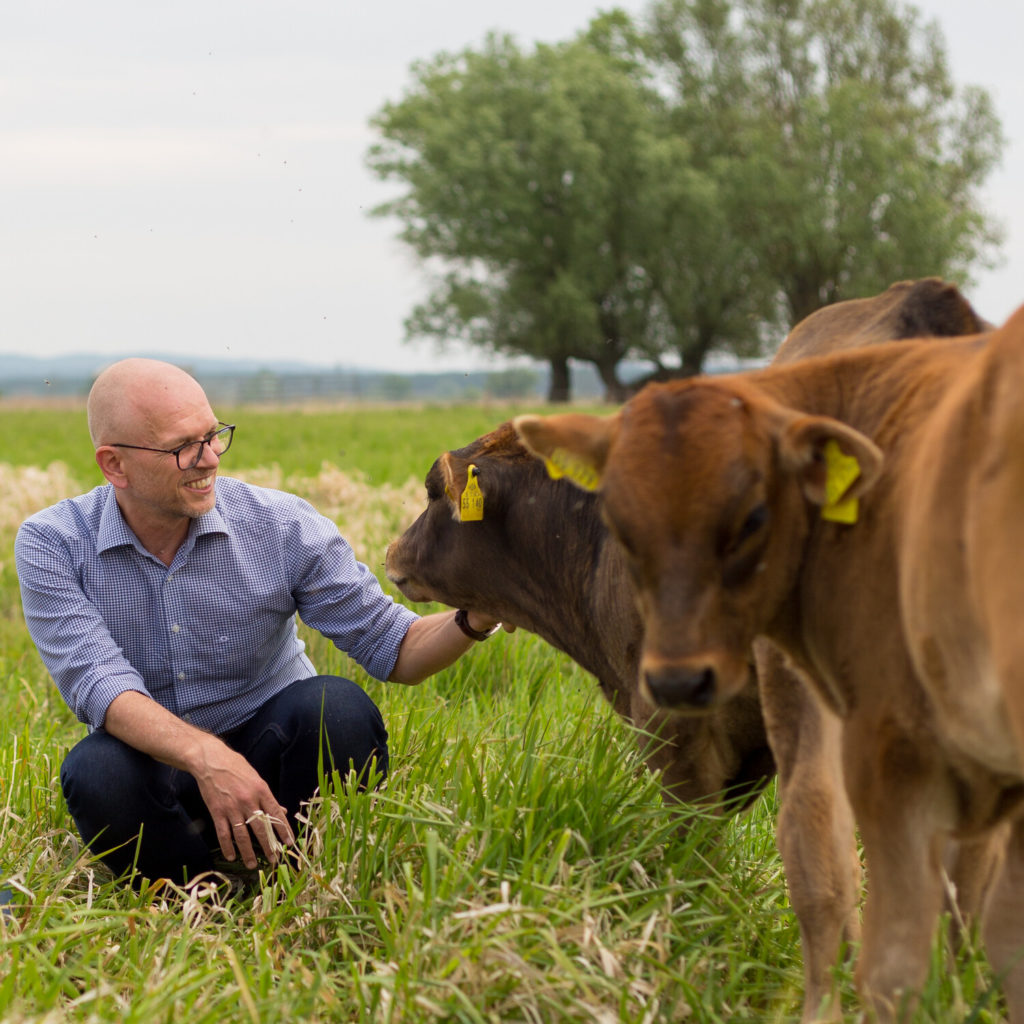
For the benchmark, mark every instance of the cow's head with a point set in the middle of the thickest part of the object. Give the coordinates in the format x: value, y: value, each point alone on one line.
x: 708, y: 486
x: 490, y: 534
x: 432, y: 560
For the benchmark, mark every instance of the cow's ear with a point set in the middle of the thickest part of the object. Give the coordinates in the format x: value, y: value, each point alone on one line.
x: 834, y: 463
x: 462, y: 488
x: 572, y: 445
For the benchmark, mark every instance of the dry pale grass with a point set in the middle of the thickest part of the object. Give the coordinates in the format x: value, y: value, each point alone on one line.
x: 26, y: 489
x: 369, y: 516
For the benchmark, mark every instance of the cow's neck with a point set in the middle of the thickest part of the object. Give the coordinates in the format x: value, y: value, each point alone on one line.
x: 886, y: 392
x: 590, y: 615
x: 867, y: 387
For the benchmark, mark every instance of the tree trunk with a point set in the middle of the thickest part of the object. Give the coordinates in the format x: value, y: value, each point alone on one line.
x: 613, y: 389
x: 558, y: 389
x: 807, y: 293
x: 692, y: 357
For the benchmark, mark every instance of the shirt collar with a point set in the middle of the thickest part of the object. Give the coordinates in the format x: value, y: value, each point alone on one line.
x: 114, y: 532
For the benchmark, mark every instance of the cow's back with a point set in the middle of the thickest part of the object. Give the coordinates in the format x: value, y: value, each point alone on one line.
x: 928, y: 307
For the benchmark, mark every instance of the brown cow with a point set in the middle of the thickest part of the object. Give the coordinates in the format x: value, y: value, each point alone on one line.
x: 815, y: 831
x: 762, y: 505
x: 539, y: 559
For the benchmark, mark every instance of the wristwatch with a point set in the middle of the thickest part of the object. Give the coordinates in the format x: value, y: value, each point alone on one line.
x: 462, y: 621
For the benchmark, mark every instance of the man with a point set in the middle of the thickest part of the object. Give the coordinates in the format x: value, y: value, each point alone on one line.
x: 164, y: 606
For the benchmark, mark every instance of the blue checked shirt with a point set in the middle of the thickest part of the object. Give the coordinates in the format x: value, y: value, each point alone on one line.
x: 213, y: 636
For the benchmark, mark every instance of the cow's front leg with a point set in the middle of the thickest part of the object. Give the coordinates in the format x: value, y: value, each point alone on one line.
x: 901, y: 807
x: 1003, y: 924
x: 815, y: 832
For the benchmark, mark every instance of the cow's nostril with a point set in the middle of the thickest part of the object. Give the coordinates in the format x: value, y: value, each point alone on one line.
x: 679, y: 687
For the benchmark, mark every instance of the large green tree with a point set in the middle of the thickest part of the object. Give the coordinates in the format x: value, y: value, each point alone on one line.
x: 684, y: 183
x: 547, y: 184
x: 860, y: 161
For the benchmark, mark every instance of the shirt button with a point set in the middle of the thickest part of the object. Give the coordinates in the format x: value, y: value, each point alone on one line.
x: 175, y: 628
x: 181, y: 675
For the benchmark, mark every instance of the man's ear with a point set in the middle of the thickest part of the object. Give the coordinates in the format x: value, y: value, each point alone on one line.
x: 833, y: 462
x: 572, y: 445
x: 111, y: 465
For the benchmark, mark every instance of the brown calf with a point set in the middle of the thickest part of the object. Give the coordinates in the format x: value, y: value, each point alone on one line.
x: 926, y: 308
x: 815, y: 830
x: 539, y: 558
x: 762, y: 505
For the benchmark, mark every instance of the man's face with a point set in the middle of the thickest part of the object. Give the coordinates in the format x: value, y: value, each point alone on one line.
x: 157, y: 488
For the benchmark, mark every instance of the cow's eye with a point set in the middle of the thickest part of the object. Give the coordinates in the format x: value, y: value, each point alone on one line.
x: 754, y: 522
x: 744, y: 553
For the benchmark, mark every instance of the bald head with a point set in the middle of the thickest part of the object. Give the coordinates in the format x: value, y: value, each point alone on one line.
x: 140, y: 400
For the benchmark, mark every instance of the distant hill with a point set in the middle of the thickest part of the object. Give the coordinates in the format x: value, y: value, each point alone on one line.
x: 245, y: 380
x: 16, y: 366
x: 254, y: 380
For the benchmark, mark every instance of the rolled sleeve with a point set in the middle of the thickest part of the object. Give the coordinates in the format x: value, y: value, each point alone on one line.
x: 87, y: 665
x: 341, y: 598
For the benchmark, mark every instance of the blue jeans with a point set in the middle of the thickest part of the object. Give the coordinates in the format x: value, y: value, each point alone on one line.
x: 133, y: 811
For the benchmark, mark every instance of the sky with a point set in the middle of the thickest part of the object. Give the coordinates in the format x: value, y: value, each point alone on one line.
x: 190, y: 178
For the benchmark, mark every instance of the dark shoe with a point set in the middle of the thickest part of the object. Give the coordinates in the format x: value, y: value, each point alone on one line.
x: 6, y: 901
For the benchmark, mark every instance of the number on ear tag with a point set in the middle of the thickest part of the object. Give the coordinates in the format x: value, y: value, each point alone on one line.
x: 840, y: 471
x: 471, y: 506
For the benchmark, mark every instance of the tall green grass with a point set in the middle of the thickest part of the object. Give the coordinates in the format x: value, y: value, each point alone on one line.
x: 518, y: 864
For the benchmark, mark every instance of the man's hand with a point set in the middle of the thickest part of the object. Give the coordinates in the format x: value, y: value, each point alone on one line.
x: 240, y: 802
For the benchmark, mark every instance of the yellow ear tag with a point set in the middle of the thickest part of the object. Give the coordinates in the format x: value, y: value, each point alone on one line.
x: 840, y: 471
x: 471, y: 505
x: 563, y: 463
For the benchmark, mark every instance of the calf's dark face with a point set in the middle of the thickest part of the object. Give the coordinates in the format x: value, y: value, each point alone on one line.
x: 470, y: 547
x: 440, y: 557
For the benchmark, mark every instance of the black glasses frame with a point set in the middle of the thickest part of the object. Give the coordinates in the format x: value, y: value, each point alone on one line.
x: 224, y: 430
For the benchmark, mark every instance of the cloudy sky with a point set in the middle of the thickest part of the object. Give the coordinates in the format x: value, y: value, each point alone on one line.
x: 190, y: 177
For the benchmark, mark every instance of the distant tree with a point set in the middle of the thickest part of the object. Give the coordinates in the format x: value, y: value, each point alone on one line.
x: 517, y: 382
x: 711, y: 290
x: 850, y: 158
x: 688, y: 183
x: 395, y: 387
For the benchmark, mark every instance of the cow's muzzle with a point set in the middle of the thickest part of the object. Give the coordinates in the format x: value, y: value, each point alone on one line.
x: 691, y: 685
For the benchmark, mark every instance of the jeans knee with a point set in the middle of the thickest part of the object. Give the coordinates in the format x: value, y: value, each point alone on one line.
x: 95, y: 772
x: 319, y: 724
x: 333, y: 707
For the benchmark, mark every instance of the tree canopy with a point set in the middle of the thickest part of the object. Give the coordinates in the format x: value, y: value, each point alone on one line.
x: 688, y: 183
x: 861, y: 160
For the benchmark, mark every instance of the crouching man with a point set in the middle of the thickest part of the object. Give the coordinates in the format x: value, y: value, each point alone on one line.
x: 164, y: 606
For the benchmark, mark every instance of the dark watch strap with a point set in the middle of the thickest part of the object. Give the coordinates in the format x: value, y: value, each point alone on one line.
x: 462, y: 621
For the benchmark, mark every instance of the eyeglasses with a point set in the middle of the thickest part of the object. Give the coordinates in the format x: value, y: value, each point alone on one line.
x: 188, y: 454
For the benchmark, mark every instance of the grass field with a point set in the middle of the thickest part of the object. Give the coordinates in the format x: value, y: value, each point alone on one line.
x: 518, y: 865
